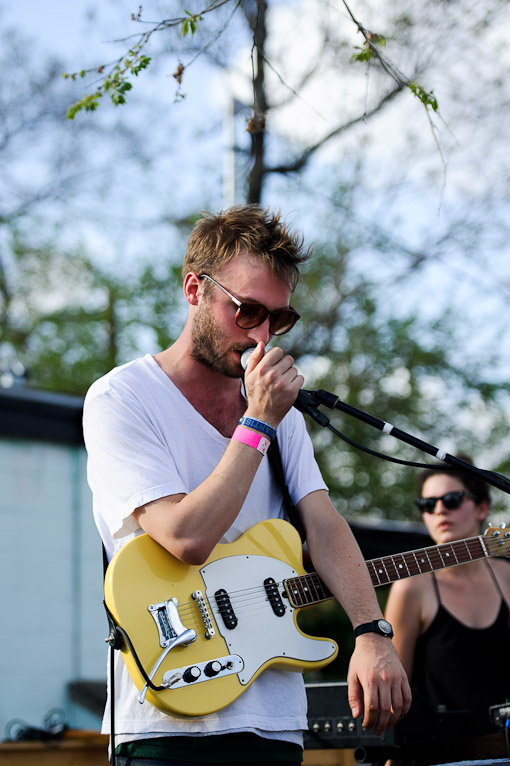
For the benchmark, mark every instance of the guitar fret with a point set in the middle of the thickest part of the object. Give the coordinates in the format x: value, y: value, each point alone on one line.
x: 403, y: 560
x: 463, y: 554
x: 444, y: 554
x: 309, y: 589
x: 391, y: 568
x: 423, y: 562
x: 321, y: 590
x: 315, y: 588
x: 413, y: 565
x: 374, y: 572
x: 476, y: 547
x: 298, y: 591
x: 437, y: 559
x: 292, y: 590
x: 385, y: 568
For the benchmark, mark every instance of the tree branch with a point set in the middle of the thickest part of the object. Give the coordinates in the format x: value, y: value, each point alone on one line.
x: 301, y: 161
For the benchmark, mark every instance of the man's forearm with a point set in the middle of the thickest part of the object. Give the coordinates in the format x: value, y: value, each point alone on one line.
x: 338, y: 560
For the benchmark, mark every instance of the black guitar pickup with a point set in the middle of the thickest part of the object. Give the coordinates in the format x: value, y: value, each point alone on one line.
x: 273, y: 594
x: 225, y: 608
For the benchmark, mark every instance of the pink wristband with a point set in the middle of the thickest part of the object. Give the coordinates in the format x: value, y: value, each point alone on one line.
x: 251, y: 438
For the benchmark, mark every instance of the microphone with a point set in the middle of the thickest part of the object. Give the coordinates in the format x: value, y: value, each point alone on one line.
x: 245, y: 357
x: 306, y: 401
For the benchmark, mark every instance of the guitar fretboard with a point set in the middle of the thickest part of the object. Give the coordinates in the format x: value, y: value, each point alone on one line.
x: 309, y: 589
x: 401, y: 565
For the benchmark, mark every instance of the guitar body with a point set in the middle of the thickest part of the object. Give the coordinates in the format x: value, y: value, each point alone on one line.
x: 235, y: 606
x: 205, y: 633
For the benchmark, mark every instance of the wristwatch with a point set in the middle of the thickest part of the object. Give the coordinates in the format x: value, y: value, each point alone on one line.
x: 383, y: 627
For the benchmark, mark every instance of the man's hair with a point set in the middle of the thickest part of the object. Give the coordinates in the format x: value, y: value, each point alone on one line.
x: 216, y: 239
x: 471, y: 482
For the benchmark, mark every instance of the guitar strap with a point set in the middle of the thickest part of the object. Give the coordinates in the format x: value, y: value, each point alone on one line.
x: 275, y: 459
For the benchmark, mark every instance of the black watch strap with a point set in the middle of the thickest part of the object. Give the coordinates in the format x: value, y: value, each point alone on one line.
x: 383, y: 627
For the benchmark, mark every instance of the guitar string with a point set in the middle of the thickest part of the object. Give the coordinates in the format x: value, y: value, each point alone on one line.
x: 435, y: 559
x: 256, y: 597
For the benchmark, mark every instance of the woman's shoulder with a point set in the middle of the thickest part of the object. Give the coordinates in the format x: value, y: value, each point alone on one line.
x: 501, y: 567
x: 414, y: 587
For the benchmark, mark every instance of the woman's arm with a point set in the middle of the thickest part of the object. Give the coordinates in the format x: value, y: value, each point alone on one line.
x: 404, y: 609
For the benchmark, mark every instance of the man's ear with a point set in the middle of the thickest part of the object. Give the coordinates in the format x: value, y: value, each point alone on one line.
x: 191, y: 287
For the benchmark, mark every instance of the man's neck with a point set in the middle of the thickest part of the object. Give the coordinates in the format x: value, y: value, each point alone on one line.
x: 216, y: 397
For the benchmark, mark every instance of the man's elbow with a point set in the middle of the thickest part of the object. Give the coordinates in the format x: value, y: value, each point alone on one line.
x: 190, y: 551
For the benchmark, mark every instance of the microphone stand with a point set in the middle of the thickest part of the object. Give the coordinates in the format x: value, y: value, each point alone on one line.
x: 309, y: 401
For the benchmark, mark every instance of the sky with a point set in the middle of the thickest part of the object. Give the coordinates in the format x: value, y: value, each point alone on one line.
x: 449, y: 282
x: 65, y: 29
x: 60, y: 26
x: 56, y: 24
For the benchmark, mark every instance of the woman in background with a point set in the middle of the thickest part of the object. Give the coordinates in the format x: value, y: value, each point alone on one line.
x: 452, y: 627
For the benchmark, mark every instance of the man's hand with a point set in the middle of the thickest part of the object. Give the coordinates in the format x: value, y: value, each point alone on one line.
x: 272, y: 384
x: 378, y: 682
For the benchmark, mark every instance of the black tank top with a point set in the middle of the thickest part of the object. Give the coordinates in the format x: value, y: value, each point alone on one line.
x: 464, y: 668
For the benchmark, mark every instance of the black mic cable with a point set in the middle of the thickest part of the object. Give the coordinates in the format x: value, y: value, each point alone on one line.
x: 308, y: 402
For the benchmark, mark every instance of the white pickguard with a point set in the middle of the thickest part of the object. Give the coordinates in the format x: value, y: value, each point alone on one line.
x: 260, y: 635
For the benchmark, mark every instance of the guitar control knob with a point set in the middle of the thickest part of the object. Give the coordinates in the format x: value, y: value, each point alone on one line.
x: 191, y: 674
x: 212, y: 668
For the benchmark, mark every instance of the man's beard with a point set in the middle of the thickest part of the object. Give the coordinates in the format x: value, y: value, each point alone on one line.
x: 208, y: 346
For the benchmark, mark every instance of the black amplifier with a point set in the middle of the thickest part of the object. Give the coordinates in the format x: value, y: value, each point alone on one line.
x: 331, y: 725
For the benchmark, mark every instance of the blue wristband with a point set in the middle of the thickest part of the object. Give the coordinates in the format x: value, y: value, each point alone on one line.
x: 258, y: 425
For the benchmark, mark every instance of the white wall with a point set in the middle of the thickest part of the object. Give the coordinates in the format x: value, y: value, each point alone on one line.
x: 52, y: 622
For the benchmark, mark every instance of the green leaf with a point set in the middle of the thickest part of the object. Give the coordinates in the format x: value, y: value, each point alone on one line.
x: 426, y: 97
x: 365, y: 54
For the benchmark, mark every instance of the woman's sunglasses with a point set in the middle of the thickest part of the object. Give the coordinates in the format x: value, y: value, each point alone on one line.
x: 249, y: 315
x: 451, y: 501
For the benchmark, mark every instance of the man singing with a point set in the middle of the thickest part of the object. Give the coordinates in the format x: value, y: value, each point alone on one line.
x: 177, y: 448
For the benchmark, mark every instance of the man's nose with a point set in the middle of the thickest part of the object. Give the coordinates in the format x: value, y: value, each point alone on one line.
x: 260, y: 333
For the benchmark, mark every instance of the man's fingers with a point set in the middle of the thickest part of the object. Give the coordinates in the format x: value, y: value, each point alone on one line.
x: 255, y: 356
x: 354, y: 695
x: 386, y: 707
x: 377, y: 710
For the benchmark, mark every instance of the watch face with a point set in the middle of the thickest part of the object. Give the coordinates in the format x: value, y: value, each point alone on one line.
x: 384, y: 626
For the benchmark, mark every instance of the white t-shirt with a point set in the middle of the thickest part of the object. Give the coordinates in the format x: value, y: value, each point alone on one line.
x: 146, y: 441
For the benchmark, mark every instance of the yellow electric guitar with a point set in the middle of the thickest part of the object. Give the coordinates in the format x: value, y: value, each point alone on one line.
x: 203, y: 634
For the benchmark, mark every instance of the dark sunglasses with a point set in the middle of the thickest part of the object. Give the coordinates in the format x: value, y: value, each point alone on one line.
x: 451, y: 501
x: 249, y: 315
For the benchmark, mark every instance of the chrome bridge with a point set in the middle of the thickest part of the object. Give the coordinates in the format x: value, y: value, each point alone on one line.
x: 168, y: 622
x: 172, y: 633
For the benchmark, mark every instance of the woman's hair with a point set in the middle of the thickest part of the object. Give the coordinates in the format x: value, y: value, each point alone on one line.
x: 470, y: 481
x: 216, y: 239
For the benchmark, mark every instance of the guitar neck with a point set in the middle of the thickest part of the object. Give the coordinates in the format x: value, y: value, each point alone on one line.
x: 309, y: 589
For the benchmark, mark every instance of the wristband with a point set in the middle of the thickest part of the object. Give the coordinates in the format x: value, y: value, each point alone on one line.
x: 251, y: 438
x: 258, y: 425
